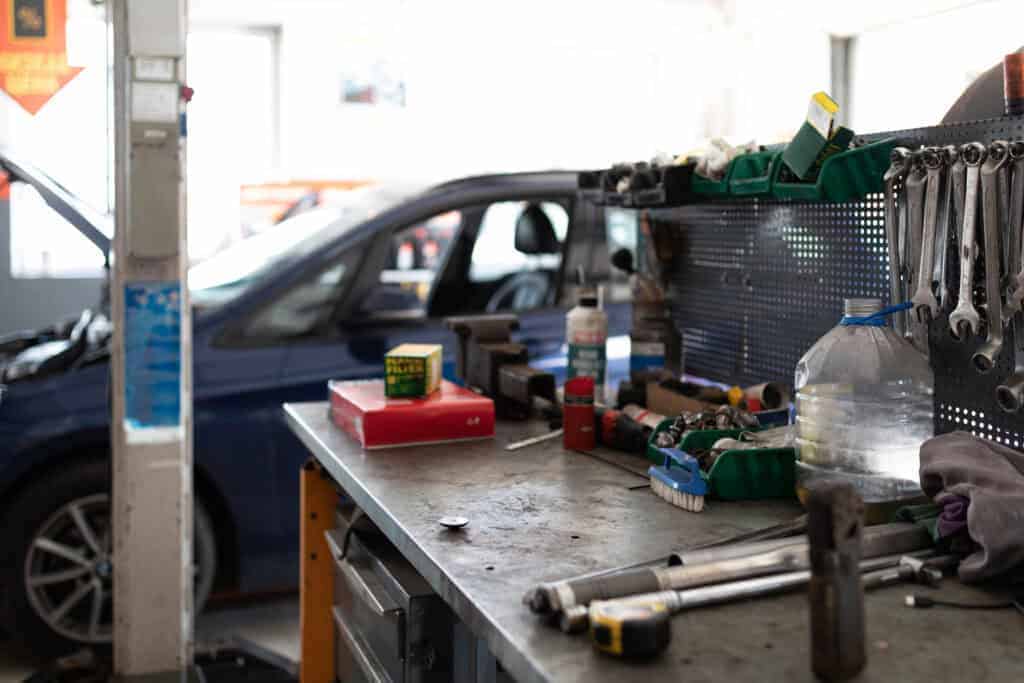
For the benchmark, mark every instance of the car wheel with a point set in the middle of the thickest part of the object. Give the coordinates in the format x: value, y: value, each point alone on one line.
x: 61, y: 578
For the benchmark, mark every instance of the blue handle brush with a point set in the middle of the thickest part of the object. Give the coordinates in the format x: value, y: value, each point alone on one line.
x: 679, y: 480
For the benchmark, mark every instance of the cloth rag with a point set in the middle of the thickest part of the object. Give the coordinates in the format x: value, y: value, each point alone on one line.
x: 990, y: 476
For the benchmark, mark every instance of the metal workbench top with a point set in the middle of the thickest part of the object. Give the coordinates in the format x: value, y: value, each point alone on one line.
x: 541, y: 513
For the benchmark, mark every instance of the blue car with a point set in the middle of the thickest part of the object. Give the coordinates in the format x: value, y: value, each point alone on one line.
x: 322, y: 295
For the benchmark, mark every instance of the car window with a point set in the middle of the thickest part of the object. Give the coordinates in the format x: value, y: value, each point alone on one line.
x: 301, y: 309
x: 494, y: 252
x: 503, y: 277
x: 415, y: 255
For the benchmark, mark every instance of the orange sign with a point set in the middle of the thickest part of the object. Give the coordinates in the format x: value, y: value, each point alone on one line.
x: 33, y: 54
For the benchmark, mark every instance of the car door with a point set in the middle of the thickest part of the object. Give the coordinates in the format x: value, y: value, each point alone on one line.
x: 236, y: 401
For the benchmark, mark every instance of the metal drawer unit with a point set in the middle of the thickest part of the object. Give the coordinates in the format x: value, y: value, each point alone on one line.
x: 390, y: 626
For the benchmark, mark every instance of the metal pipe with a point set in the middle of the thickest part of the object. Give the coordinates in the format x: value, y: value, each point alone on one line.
x: 696, y: 566
x: 576, y: 619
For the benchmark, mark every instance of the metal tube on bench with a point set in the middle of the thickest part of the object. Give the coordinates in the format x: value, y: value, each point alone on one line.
x: 576, y: 619
x: 553, y: 598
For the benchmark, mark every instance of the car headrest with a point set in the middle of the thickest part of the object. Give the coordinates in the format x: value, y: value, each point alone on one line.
x: 534, y: 232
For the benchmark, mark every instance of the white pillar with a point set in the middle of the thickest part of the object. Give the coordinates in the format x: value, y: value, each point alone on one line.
x: 152, y: 354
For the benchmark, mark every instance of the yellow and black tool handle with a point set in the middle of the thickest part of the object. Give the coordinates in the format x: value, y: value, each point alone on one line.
x: 630, y: 629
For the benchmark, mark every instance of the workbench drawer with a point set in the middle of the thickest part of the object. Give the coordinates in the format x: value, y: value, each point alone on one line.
x: 386, y: 609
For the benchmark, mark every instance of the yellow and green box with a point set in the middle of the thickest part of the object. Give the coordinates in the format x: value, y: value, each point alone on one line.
x: 412, y: 370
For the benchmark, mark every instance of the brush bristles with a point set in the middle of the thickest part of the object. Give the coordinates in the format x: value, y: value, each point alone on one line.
x: 686, y: 501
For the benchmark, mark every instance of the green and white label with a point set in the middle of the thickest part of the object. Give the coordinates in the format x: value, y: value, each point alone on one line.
x: 587, y: 360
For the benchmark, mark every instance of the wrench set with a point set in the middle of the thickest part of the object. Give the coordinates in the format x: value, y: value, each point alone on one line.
x: 934, y: 199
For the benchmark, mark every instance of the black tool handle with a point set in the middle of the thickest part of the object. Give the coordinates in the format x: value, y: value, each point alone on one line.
x: 835, y: 516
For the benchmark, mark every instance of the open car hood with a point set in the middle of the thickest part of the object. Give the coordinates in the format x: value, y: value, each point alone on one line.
x: 96, y: 227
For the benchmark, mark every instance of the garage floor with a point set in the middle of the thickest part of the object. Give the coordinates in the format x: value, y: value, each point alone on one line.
x: 271, y: 624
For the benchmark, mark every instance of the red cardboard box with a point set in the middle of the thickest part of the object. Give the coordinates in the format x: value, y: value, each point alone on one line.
x: 449, y: 414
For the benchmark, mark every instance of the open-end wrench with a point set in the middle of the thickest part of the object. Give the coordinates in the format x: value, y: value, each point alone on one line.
x: 1015, y: 288
x: 984, y: 358
x: 951, y: 158
x: 1003, y: 185
x: 914, y: 186
x: 899, y: 165
x: 1010, y: 393
x: 964, y: 320
x: 926, y: 307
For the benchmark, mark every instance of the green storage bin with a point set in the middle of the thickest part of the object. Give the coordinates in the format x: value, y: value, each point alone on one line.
x: 711, y: 188
x: 740, y: 474
x: 845, y: 176
x: 751, y: 474
x: 752, y: 174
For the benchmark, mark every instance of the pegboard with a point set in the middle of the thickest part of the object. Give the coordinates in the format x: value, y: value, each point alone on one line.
x: 759, y: 280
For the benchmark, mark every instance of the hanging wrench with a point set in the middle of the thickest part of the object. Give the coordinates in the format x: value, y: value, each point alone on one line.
x: 1010, y: 394
x: 951, y: 157
x: 914, y: 184
x: 1015, y: 289
x: 965, y: 318
x: 926, y: 307
x: 984, y: 358
x: 899, y: 165
x: 1003, y: 184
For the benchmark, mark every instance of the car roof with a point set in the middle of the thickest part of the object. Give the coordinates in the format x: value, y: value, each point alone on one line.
x: 97, y: 227
x: 556, y: 180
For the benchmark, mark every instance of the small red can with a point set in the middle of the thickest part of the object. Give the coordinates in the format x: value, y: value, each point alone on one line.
x: 578, y: 414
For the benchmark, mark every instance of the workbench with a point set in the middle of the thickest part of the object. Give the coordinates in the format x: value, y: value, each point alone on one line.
x: 541, y: 513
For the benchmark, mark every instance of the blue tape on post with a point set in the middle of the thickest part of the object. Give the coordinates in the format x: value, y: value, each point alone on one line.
x: 152, y: 354
x: 876, y: 319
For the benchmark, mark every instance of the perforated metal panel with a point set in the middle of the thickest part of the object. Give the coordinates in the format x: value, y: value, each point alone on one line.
x: 760, y: 280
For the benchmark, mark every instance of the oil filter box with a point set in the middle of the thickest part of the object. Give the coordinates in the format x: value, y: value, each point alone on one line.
x: 412, y: 370
x: 449, y: 414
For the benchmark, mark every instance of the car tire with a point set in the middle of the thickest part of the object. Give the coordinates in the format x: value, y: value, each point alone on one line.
x: 57, y: 514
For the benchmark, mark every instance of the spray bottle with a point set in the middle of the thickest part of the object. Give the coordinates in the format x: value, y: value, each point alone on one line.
x: 586, y: 333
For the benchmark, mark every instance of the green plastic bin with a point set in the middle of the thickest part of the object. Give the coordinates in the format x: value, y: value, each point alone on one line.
x: 845, y: 176
x: 751, y: 474
x: 707, y: 187
x: 753, y: 174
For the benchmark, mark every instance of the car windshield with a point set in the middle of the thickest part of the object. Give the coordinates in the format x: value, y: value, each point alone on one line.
x: 227, y: 274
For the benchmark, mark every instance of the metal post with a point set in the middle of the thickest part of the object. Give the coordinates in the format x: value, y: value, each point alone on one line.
x: 841, y: 70
x: 152, y: 356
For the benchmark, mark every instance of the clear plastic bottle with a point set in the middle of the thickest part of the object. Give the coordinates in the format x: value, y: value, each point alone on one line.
x: 863, y: 408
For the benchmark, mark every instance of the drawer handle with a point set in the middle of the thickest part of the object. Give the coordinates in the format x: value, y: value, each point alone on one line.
x: 368, y: 588
x: 366, y: 661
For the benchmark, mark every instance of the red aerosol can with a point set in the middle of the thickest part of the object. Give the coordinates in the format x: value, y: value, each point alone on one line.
x: 578, y: 414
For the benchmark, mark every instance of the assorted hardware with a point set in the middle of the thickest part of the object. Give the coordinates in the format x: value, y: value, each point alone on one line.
x: 724, y: 417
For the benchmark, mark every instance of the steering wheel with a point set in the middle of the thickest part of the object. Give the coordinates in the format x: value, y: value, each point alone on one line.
x: 519, y: 293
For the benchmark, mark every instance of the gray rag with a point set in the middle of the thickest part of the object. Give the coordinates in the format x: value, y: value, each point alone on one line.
x: 991, y: 476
